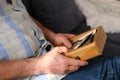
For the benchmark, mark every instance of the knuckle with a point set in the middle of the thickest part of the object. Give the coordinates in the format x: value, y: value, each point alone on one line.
x: 56, y: 48
x: 76, y: 68
x: 64, y: 71
x: 59, y: 34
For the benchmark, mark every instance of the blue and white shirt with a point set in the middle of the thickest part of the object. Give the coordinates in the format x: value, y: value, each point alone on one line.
x: 20, y: 37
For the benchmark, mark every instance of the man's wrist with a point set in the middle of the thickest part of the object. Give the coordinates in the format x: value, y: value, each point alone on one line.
x: 36, y: 66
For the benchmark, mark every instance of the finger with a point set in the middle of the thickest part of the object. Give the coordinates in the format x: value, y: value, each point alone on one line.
x: 70, y: 35
x: 77, y: 62
x: 61, y: 49
x: 72, y: 69
x: 67, y: 42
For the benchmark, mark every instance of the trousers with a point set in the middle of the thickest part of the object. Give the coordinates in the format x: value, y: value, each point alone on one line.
x: 100, y: 68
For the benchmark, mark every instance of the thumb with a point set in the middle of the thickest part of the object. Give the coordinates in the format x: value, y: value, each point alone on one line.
x: 61, y: 49
x: 67, y: 43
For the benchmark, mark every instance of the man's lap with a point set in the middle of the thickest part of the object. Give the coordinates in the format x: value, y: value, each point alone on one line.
x: 99, y: 68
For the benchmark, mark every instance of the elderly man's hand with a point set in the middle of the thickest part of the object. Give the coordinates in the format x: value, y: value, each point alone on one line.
x: 55, y: 62
x: 62, y: 39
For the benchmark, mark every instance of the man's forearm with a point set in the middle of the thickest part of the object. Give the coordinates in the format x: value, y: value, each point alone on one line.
x: 48, y: 33
x: 17, y: 68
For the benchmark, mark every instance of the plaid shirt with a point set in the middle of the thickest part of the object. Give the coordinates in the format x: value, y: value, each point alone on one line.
x: 20, y: 37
